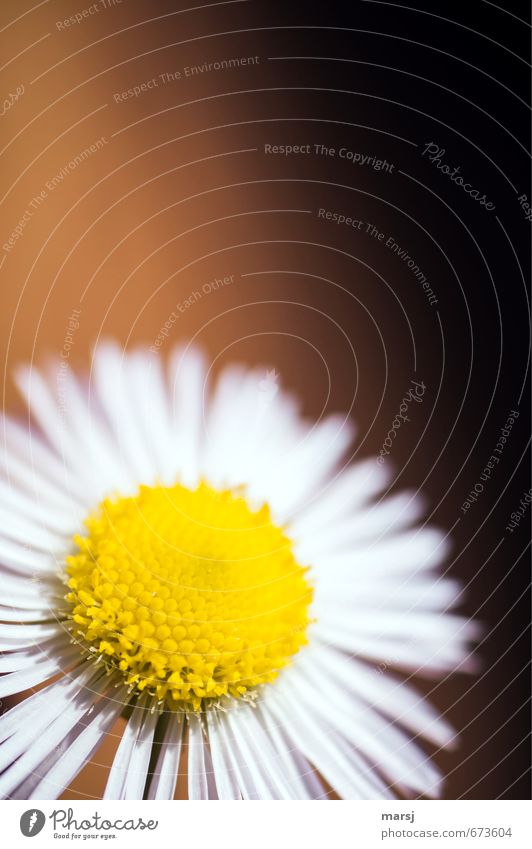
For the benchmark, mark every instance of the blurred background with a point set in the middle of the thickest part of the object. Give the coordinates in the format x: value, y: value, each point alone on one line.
x: 339, y: 193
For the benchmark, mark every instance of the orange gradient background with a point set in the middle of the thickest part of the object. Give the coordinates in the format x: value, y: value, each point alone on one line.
x: 182, y: 193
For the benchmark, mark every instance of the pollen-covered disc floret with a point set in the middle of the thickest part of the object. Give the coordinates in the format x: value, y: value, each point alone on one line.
x: 192, y: 594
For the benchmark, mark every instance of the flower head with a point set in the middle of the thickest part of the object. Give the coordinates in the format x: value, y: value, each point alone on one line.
x: 189, y: 593
x: 205, y: 565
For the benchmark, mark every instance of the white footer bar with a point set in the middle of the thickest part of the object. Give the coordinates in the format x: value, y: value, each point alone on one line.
x: 276, y: 825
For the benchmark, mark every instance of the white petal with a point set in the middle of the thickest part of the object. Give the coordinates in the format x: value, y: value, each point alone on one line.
x: 293, y: 478
x: 224, y: 773
x: 405, y: 625
x: 47, y: 586
x: 251, y: 776
x: 409, y: 552
x: 118, y: 772
x: 17, y: 682
x: 247, y: 431
x: 27, y: 635
x: 70, y: 713
x: 200, y: 774
x: 385, y: 518
x: 13, y: 661
x: 46, y: 409
x: 300, y: 775
x: 231, y: 422
x: 255, y: 437
x: 393, y: 698
x: 27, y: 478
x: 187, y: 382
x: 383, y: 744
x: 21, y: 724
x: 26, y: 531
x: 341, y: 497
x: 42, y: 404
x: 147, y: 384
x: 243, y: 771
x: 32, y: 609
x: 402, y: 592
x: 129, y: 770
x: 22, y: 615
x: 316, y: 744
x: 370, y: 783
x: 98, y: 463
x: 163, y: 781
x: 17, y: 503
x: 23, y: 559
x: 109, y: 372
x: 260, y: 754
x: 64, y: 764
x: 137, y: 771
x: 429, y: 658
x: 312, y: 782
x: 28, y: 599
x: 27, y: 445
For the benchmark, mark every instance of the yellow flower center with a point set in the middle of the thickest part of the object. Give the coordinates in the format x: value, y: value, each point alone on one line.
x: 190, y: 593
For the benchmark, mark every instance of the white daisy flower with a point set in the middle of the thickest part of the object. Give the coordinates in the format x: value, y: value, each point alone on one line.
x: 205, y: 566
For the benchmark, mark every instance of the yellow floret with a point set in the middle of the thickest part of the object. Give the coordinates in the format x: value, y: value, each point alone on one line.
x: 191, y: 594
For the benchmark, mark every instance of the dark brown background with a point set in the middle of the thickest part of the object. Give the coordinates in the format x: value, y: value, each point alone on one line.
x: 182, y: 192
